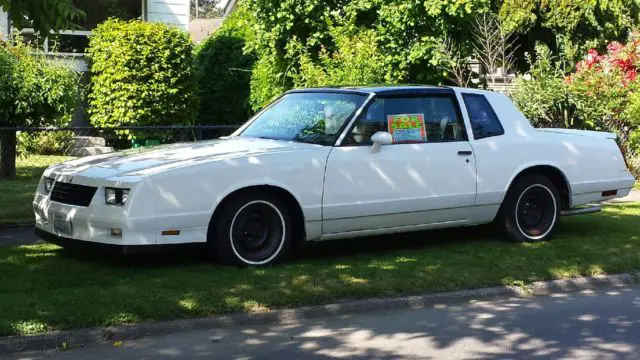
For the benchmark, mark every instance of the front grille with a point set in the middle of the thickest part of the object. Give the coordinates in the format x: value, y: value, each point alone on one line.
x: 72, y: 194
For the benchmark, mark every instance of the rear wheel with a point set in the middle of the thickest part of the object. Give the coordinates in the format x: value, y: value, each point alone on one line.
x: 251, y: 230
x: 530, y: 210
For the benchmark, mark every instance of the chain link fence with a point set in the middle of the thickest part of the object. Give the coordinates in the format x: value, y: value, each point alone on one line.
x: 40, y: 147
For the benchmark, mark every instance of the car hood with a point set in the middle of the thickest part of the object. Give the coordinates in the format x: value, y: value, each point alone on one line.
x: 146, y: 161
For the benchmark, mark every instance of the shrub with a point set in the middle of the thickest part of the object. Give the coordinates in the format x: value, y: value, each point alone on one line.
x: 542, y: 95
x: 34, y: 91
x: 142, y: 74
x: 224, y: 73
x: 44, y: 143
x: 46, y: 89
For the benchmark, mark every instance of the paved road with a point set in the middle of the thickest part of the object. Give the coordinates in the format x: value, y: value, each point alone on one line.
x: 589, y: 325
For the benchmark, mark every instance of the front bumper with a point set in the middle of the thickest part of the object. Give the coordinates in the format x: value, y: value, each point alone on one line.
x: 94, y: 223
x: 115, y: 249
x: 75, y: 244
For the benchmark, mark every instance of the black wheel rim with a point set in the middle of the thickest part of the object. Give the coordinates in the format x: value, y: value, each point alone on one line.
x: 257, y: 232
x: 536, y: 211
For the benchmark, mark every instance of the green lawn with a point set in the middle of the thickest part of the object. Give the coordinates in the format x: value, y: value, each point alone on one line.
x: 44, y: 288
x: 17, y: 194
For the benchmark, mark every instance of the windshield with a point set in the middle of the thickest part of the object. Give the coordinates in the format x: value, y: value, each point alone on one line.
x: 306, y: 117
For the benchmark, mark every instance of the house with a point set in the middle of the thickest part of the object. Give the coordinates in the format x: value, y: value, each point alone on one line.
x: 200, y: 29
x: 73, y: 43
x: 229, y: 7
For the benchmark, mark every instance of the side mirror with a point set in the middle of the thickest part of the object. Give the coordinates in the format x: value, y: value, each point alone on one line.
x: 380, y: 138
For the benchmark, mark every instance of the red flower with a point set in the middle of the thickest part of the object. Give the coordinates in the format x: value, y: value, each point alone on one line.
x: 624, y: 64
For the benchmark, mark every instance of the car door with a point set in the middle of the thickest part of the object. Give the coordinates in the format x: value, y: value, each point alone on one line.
x: 426, y: 176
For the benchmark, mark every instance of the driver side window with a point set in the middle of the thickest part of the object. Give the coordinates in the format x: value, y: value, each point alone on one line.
x: 421, y: 119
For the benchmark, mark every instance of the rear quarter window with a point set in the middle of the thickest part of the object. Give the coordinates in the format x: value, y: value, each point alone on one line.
x: 484, y: 121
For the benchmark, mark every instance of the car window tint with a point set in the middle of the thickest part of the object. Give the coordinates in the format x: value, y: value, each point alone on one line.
x: 484, y: 121
x: 422, y: 119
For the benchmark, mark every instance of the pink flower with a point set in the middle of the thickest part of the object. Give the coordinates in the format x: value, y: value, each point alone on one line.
x: 614, y: 47
x: 592, y: 58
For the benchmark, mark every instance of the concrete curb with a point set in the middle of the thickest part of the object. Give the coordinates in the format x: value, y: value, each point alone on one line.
x: 82, y: 337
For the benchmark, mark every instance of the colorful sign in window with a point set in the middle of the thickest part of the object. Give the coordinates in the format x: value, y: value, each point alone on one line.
x: 407, y: 128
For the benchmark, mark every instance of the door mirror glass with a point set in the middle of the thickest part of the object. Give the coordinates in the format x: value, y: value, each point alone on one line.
x: 380, y: 138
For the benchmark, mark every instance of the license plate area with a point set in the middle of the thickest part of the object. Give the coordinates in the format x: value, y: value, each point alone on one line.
x: 61, y: 225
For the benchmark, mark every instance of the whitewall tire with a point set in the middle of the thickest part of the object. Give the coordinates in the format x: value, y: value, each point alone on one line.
x: 530, y: 210
x: 251, y: 229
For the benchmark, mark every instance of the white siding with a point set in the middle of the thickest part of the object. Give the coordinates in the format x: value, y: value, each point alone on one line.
x: 4, y: 24
x: 175, y: 12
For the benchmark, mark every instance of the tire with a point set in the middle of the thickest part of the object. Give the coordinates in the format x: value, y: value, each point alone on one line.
x: 530, y: 210
x: 251, y: 229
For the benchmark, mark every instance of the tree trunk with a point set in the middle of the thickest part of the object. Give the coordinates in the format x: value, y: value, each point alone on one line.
x: 8, y: 143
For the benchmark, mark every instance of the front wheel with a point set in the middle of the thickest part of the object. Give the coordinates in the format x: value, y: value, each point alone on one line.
x: 251, y: 230
x: 530, y: 210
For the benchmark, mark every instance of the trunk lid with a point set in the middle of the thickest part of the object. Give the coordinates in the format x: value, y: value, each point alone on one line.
x: 590, y: 133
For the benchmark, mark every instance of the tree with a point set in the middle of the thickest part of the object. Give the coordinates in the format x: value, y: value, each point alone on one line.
x: 409, y: 34
x: 205, y: 9
x: 493, y: 46
x: 559, y: 24
x: 43, y: 15
x: 455, y: 63
x: 356, y: 61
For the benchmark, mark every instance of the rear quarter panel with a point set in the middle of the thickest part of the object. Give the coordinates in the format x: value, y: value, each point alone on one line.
x: 589, y: 164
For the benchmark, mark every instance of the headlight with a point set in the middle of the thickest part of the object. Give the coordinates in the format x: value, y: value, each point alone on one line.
x: 48, y: 184
x: 115, y: 196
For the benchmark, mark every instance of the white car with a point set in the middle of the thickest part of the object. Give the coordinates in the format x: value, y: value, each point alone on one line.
x: 321, y: 164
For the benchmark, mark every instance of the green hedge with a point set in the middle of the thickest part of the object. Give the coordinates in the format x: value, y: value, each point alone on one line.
x: 224, y: 73
x: 141, y: 74
x: 34, y: 91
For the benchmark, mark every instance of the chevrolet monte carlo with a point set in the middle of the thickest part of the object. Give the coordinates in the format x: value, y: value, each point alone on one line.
x: 320, y: 164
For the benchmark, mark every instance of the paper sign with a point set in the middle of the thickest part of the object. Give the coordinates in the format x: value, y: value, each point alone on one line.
x: 407, y: 128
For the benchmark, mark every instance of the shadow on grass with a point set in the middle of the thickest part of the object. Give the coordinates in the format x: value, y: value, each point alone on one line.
x: 43, y: 287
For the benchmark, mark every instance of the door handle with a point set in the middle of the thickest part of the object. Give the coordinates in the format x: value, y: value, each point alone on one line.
x: 464, y: 153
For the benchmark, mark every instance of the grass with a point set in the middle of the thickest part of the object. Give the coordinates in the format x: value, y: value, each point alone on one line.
x: 17, y: 194
x: 43, y: 287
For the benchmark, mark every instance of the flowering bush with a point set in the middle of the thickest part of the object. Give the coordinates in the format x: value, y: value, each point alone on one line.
x: 603, y: 93
x: 603, y: 86
x: 605, y: 89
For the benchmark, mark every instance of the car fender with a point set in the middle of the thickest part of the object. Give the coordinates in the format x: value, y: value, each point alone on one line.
x: 531, y: 164
x: 247, y: 184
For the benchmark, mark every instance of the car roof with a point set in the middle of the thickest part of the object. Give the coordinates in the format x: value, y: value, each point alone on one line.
x: 380, y: 89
